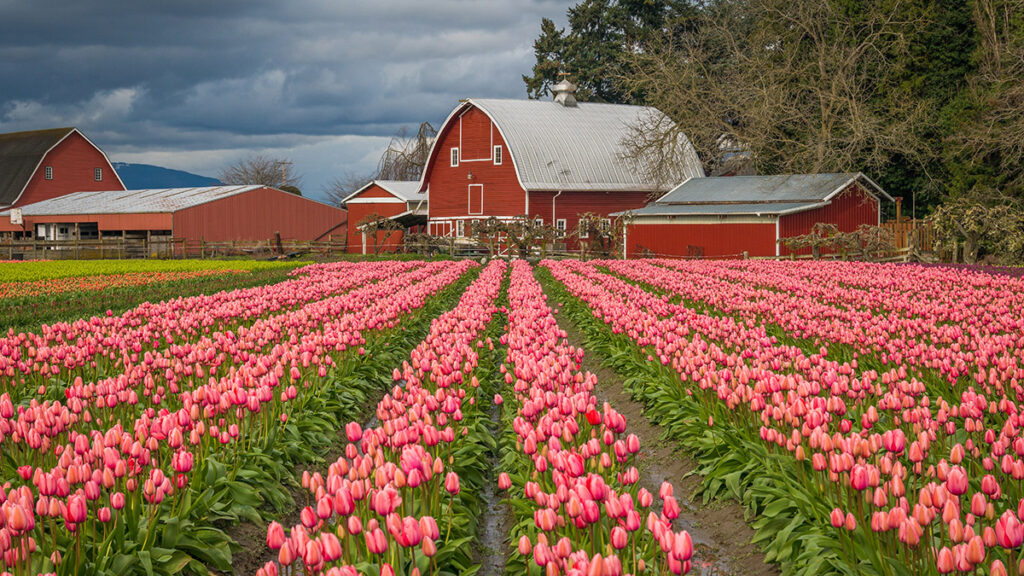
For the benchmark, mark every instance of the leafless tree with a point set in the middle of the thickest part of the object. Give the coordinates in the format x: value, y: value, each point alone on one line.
x: 378, y: 230
x: 790, y: 80
x: 341, y: 187
x: 262, y: 170
x: 406, y: 156
x: 998, y: 91
x: 985, y: 219
x: 601, y: 236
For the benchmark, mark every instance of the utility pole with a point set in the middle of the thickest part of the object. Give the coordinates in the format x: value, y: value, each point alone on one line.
x: 284, y: 171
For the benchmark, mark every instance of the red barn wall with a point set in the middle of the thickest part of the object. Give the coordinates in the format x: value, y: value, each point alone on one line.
x: 105, y: 222
x: 847, y: 210
x: 711, y: 239
x: 475, y: 136
x: 73, y: 161
x: 258, y: 215
x: 358, y: 211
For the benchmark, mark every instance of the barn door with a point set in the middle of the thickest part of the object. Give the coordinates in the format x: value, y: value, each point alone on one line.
x: 476, y: 199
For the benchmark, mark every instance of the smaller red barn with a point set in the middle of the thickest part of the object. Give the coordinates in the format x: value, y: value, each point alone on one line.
x: 394, y: 199
x: 727, y: 216
x: 212, y: 214
x: 43, y: 164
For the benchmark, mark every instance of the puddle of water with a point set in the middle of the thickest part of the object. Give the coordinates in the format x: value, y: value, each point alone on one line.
x: 495, y: 525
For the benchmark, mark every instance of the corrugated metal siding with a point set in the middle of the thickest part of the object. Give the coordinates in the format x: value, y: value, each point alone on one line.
x: 73, y: 162
x: 709, y: 240
x: 449, y: 187
x: 105, y: 222
x: 356, y: 213
x: 258, y: 215
x: 848, y: 210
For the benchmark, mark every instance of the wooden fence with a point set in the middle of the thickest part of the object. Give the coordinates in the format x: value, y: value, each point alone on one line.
x: 907, y: 233
x: 160, y: 247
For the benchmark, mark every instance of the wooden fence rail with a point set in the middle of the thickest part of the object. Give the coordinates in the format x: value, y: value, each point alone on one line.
x: 159, y: 247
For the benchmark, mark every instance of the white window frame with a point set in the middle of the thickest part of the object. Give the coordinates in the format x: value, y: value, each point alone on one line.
x: 460, y: 228
x: 97, y: 174
x: 560, y: 227
x: 538, y: 221
x: 606, y: 224
x: 455, y: 156
x: 582, y: 231
x: 48, y: 172
x: 497, y: 156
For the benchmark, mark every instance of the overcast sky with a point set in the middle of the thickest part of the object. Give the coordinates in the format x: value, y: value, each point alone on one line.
x: 196, y: 84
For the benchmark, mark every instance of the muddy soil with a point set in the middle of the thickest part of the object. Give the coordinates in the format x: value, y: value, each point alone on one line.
x: 721, y: 537
x: 253, y: 553
x: 493, y: 546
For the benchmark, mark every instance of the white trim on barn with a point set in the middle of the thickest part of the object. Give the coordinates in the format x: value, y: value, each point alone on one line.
x: 380, y: 200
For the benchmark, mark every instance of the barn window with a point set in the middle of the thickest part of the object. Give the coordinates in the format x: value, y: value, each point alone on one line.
x: 606, y: 224
x: 538, y: 222
x: 460, y: 228
x: 560, y: 227
x: 455, y: 156
x: 97, y: 174
x: 582, y: 229
x: 497, y: 155
x: 49, y: 172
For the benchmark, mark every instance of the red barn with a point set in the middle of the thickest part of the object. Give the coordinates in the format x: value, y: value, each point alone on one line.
x: 727, y: 216
x: 44, y: 164
x: 392, y: 199
x: 548, y: 160
x: 213, y: 214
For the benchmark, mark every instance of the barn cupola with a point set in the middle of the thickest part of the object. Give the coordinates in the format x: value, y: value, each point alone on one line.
x: 565, y: 91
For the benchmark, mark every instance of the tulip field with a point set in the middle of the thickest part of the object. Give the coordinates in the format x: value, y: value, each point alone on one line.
x: 372, y: 416
x: 33, y: 293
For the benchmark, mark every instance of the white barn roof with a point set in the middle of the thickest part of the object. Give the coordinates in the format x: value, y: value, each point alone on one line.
x: 132, y: 201
x: 556, y: 147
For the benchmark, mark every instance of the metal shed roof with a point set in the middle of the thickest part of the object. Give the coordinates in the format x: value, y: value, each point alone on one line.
x: 20, y: 155
x: 556, y: 147
x: 754, y: 209
x: 132, y: 201
x: 782, y: 188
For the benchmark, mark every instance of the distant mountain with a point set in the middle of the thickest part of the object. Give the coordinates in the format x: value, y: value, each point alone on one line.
x: 142, y: 176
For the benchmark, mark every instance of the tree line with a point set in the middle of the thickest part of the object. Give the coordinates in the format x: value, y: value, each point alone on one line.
x: 925, y: 96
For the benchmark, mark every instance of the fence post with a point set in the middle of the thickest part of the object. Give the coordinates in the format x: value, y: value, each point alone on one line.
x: 202, y: 248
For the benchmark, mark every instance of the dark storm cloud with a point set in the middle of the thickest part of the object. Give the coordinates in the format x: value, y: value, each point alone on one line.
x: 194, y: 84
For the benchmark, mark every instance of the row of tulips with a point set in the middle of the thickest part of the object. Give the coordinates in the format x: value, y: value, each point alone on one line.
x: 103, y: 481
x: 934, y: 483
x: 972, y: 326
x: 98, y: 283
x: 175, y: 377
x: 573, y: 473
x: 396, y: 500
x: 106, y: 346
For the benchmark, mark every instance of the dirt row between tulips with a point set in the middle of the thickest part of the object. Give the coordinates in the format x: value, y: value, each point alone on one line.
x: 721, y: 537
x: 253, y: 553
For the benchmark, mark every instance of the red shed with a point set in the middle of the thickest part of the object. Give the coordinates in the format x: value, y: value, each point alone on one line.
x: 394, y: 199
x: 726, y: 216
x: 44, y: 164
x: 215, y: 214
x: 550, y: 161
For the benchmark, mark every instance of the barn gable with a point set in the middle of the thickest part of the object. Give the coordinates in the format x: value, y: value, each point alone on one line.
x: 24, y: 154
x: 556, y: 147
